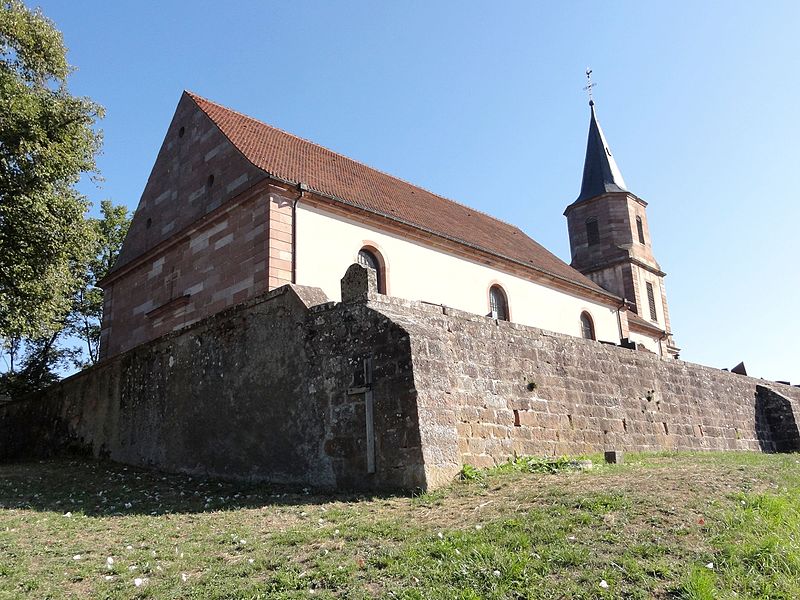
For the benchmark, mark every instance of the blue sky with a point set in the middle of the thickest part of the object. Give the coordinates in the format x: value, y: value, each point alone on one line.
x: 483, y: 103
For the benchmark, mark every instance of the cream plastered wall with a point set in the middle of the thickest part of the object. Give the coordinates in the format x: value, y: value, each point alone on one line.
x: 328, y: 244
x: 648, y: 342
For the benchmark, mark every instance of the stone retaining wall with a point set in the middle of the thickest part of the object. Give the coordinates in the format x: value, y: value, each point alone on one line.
x: 490, y: 389
x: 269, y: 390
x: 380, y: 393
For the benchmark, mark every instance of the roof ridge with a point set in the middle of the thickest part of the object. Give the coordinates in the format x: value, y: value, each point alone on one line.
x: 297, y: 137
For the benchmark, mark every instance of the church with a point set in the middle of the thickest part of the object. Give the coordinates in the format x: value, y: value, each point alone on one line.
x: 279, y: 312
x: 234, y: 208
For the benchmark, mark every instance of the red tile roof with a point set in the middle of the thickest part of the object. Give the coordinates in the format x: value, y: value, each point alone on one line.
x: 294, y: 159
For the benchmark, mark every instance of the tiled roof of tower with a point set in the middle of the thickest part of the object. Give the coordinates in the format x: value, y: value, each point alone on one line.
x: 294, y: 159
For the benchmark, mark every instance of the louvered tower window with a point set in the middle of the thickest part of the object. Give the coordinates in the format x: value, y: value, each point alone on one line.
x: 651, y: 299
x: 592, y: 231
x: 640, y: 229
x: 587, y: 326
x: 368, y: 258
x: 498, y: 303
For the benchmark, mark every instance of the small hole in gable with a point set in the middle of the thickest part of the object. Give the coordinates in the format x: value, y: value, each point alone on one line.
x: 181, y: 131
x: 210, y: 181
x: 149, y: 223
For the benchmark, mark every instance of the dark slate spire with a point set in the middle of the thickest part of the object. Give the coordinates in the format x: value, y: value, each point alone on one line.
x: 600, y: 172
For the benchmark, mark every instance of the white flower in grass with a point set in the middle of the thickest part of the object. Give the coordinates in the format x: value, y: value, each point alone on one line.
x: 129, y: 547
x: 109, y: 561
x: 68, y: 515
x: 76, y: 557
x: 138, y: 582
x: 109, y: 578
x: 604, y: 584
x: 710, y: 565
x: 250, y: 560
x: 184, y: 577
x: 496, y: 573
x: 440, y: 535
x: 479, y: 527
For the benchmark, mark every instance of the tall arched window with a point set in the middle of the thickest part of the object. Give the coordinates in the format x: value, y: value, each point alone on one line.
x: 368, y: 257
x: 498, y: 303
x: 640, y: 229
x: 587, y: 326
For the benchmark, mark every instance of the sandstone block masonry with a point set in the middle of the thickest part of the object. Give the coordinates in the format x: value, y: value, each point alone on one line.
x: 380, y: 393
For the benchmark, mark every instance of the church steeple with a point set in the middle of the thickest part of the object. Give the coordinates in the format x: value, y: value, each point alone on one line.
x: 600, y: 171
x: 610, y: 240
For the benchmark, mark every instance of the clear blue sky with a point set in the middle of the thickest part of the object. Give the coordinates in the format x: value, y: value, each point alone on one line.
x: 482, y: 102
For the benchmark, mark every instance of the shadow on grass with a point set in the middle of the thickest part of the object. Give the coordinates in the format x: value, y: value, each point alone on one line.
x: 101, y: 488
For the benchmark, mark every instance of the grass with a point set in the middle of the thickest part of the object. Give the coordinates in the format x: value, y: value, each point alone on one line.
x: 666, y: 525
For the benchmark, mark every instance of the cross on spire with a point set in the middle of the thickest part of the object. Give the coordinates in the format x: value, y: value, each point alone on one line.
x: 589, y: 85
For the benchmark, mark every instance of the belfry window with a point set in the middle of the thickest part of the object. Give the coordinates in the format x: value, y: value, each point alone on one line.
x: 498, y: 303
x: 587, y: 326
x: 651, y: 300
x: 592, y: 231
x: 640, y: 229
x: 370, y: 258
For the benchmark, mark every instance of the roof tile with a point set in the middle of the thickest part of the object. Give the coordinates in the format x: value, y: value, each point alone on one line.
x: 300, y: 161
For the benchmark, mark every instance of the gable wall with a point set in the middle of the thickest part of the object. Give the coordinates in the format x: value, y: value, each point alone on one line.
x: 177, y: 192
x: 222, y: 262
x: 207, y: 242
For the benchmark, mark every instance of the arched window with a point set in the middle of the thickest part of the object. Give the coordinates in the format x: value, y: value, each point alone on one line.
x: 587, y: 326
x: 640, y: 229
x: 498, y: 303
x: 370, y: 258
x: 592, y: 231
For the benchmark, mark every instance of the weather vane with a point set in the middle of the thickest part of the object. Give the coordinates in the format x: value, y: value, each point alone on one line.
x: 589, y: 85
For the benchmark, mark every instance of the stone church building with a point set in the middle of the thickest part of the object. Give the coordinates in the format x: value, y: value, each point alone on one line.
x: 242, y: 340
x: 235, y: 208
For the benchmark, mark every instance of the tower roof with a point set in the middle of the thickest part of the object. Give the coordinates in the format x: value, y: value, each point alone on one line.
x: 600, y: 171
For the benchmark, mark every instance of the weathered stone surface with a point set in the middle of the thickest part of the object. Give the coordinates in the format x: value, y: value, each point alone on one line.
x: 259, y: 392
x: 588, y: 397
x: 277, y: 389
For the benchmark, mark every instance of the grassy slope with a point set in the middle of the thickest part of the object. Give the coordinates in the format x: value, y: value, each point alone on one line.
x: 648, y: 528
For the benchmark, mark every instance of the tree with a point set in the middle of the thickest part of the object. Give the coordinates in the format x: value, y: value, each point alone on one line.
x: 87, y: 311
x: 34, y: 363
x: 47, y: 142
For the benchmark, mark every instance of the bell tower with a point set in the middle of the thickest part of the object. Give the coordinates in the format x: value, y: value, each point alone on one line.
x: 610, y: 240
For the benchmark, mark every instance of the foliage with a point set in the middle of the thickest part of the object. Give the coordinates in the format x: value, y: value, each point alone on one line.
x: 34, y: 363
x: 536, y: 464
x: 470, y: 473
x: 84, y: 319
x: 47, y: 142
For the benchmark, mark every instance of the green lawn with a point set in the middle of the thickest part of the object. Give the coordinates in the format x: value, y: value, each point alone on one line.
x: 663, y: 525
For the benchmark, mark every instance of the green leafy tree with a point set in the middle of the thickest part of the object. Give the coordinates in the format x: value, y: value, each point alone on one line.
x: 34, y: 363
x: 87, y: 312
x: 47, y: 142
